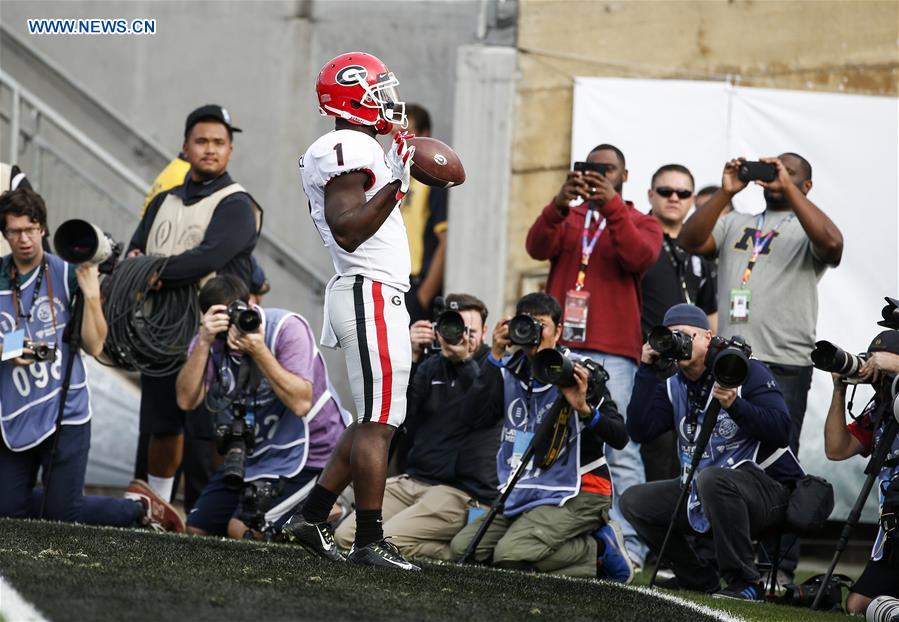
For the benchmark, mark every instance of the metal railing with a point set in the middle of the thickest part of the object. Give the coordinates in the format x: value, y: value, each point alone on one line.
x: 80, y: 178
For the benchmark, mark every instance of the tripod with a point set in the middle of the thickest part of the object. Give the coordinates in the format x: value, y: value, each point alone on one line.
x: 545, y: 429
x: 875, y: 465
x: 705, y: 433
x: 72, y: 336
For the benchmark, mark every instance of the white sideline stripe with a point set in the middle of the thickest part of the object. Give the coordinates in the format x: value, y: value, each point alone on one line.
x: 15, y: 608
x: 689, y: 604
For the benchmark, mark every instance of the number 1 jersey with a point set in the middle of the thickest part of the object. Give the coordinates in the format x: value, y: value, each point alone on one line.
x: 384, y: 257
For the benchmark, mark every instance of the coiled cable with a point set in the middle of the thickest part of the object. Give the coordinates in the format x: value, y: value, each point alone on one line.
x: 150, y: 328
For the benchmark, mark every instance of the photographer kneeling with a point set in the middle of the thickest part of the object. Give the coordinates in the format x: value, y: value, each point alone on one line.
x: 739, y: 489
x: 38, y: 293
x: 842, y: 441
x: 258, y: 374
x: 547, y: 519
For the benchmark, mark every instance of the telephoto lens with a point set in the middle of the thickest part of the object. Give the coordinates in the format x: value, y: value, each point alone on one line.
x: 883, y: 609
x: 829, y: 357
x: 451, y: 327
x: 671, y: 345
x: 553, y: 367
x: 244, y: 317
x: 525, y: 330
x: 728, y: 361
x: 234, y: 465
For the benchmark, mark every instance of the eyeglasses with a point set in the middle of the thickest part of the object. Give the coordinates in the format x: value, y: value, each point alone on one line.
x: 31, y: 232
x: 665, y: 191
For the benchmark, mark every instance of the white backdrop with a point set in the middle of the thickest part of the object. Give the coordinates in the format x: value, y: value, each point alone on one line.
x: 851, y: 142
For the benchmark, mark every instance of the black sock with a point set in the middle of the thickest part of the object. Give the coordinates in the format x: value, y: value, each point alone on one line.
x: 318, y: 504
x: 368, y: 527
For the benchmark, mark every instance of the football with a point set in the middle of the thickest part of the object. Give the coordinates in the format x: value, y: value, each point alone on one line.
x: 435, y: 163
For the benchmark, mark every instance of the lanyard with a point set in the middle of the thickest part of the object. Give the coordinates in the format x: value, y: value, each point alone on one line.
x: 761, y: 242
x: 17, y: 292
x: 678, y: 262
x: 587, y: 247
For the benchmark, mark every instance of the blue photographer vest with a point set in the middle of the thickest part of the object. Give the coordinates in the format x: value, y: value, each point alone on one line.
x: 29, y: 396
x: 728, y: 447
x: 885, y: 475
x: 524, y: 412
x: 282, y: 438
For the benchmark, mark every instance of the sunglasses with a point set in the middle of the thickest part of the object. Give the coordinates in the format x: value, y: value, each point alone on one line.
x: 665, y: 191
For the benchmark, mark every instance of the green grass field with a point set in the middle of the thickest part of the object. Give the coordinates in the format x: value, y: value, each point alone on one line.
x: 81, y: 573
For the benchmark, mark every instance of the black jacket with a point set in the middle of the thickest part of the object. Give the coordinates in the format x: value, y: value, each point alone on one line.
x: 227, y: 245
x: 450, y: 445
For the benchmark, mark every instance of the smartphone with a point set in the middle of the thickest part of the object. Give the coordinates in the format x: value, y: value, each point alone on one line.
x: 596, y: 167
x: 761, y: 171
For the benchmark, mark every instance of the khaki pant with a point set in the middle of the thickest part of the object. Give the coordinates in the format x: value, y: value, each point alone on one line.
x: 419, y: 518
x: 547, y: 538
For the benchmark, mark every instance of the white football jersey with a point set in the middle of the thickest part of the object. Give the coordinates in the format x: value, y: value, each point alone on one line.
x: 383, y: 257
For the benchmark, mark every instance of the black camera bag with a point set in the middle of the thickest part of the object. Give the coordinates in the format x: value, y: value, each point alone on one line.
x: 811, y: 503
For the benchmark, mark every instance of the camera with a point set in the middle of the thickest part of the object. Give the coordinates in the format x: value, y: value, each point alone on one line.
x: 525, y: 330
x: 448, y: 322
x: 672, y: 345
x: 257, y: 498
x: 761, y: 171
x: 890, y: 314
x: 828, y: 357
x: 242, y: 315
x: 235, y: 440
x: 728, y: 360
x: 40, y: 351
x: 551, y: 366
x: 883, y: 609
x: 78, y: 241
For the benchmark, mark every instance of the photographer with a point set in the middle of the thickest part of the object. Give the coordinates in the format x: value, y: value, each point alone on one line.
x: 599, y: 247
x: 207, y: 225
x: 273, y: 370
x: 740, y: 488
x: 451, y: 465
x: 37, y: 293
x: 547, y: 520
x: 769, y: 265
x: 842, y: 441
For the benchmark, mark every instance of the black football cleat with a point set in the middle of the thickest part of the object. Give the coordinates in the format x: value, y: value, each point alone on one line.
x: 317, y: 539
x: 383, y: 554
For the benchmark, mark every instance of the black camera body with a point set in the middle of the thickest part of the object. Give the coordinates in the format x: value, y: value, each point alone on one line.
x: 256, y: 498
x: 235, y: 440
x: 40, y: 351
x: 551, y: 366
x: 243, y: 316
x: 525, y: 330
x: 728, y: 360
x: 672, y: 345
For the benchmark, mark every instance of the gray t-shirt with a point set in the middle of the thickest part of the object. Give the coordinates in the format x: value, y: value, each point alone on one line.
x: 783, y: 308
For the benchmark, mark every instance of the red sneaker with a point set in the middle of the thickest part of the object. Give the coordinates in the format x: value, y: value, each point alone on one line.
x: 160, y: 514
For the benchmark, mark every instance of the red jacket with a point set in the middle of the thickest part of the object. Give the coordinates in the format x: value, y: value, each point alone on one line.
x: 627, y: 248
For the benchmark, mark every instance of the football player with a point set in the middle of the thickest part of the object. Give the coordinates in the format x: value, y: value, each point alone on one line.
x: 354, y: 190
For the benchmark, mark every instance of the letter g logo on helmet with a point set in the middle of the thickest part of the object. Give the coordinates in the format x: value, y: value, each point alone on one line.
x: 351, y: 75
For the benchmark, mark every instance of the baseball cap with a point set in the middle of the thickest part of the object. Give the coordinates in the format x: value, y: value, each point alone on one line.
x: 210, y: 112
x: 887, y: 341
x: 687, y: 314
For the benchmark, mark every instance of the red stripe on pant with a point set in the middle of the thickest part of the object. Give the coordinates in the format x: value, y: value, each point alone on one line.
x: 383, y: 352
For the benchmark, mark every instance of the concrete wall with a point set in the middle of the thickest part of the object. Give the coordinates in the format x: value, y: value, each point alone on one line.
x: 260, y: 60
x: 832, y: 46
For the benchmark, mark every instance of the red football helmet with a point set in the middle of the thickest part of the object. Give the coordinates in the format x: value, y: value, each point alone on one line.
x: 358, y: 87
